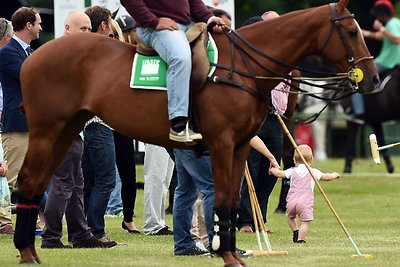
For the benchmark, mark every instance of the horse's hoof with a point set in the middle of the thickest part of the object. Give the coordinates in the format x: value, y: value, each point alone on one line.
x: 235, y: 265
x: 390, y: 168
x: 347, y: 169
x: 29, y: 262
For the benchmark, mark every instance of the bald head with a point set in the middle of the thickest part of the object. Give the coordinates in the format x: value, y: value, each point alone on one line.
x: 77, y: 21
x: 269, y: 15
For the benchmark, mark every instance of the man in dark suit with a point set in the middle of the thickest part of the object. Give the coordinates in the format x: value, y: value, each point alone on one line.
x: 27, y: 27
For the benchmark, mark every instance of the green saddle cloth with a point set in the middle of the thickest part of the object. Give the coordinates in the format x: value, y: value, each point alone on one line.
x: 150, y: 72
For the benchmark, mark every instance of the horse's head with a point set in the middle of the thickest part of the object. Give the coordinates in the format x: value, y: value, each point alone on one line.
x: 343, y: 45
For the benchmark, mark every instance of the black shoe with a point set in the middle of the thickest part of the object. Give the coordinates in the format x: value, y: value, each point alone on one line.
x: 295, y: 235
x: 134, y: 231
x: 243, y: 253
x: 280, y: 210
x: 58, y: 245
x: 168, y: 210
x: 93, y: 242
x: 301, y: 242
x: 164, y: 231
x: 193, y: 252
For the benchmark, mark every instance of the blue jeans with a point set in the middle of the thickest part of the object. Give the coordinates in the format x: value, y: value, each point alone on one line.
x: 98, y: 164
x: 173, y: 47
x: 114, y: 205
x: 194, y: 175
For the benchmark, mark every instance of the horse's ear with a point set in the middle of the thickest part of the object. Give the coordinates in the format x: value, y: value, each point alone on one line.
x: 342, y: 4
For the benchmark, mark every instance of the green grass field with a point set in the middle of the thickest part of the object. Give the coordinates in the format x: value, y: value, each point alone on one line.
x: 366, y: 201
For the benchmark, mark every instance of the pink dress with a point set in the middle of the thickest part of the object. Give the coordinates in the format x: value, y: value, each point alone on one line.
x: 300, y: 199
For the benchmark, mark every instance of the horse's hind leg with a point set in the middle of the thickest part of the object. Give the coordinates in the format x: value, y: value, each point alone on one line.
x: 31, y: 186
x: 46, y: 150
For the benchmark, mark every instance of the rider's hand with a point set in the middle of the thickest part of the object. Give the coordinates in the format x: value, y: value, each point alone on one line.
x: 220, y: 23
x: 167, y: 24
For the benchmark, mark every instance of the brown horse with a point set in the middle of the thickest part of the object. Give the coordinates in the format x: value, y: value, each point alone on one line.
x: 70, y: 79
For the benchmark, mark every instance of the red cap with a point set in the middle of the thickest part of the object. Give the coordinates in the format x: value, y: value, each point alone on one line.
x: 386, y: 3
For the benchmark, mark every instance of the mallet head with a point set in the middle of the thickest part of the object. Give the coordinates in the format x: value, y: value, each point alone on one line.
x: 374, y: 149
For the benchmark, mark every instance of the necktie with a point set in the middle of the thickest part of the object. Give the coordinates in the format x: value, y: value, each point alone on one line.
x: 29, y: 50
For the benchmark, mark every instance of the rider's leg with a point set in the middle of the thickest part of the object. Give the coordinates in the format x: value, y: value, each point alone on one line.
x: 173, y: 47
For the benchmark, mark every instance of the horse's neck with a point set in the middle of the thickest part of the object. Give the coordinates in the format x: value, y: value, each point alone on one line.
x: 289, y: 38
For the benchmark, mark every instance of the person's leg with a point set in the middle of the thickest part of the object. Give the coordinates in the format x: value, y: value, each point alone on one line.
x: 78, y: 229
x: 174, y: 49
x: 60, y: 192
x: 357, y: 101
x: 198, y: 230
x: 272, y: 135
x: 200, y: 170
x: 126, y: 163
x: 15, y: 145
x: 171, y: 189
x: 185, y: 197
x: 158, y: 168
x: 292, y: 223
x: 114, y: 205
x: 99, y: 142
x: 303, y: 230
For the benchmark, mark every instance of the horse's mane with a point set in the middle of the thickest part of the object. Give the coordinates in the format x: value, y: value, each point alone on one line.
x: 285, y: 20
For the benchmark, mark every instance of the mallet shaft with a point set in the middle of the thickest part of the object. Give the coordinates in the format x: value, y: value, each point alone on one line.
x: 388, y: 146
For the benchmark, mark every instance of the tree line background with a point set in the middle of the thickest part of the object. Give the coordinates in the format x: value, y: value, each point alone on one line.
x: 243, y: 9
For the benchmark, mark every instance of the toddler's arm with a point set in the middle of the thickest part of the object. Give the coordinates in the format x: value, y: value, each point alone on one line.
x: 277, y: 172
x: 330, y: 176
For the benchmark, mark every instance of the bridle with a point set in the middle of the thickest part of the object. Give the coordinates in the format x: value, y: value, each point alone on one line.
x: 349, y: 51
x: 234, y: 36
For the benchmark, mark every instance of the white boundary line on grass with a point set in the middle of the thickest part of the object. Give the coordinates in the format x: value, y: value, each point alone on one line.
x: 369, y: 174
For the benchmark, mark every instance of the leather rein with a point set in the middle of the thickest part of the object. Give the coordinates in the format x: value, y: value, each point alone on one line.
x: 234, y: 36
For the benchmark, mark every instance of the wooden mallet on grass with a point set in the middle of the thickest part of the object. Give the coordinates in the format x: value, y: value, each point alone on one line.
x: 375, y: 149
x: 258, y: 221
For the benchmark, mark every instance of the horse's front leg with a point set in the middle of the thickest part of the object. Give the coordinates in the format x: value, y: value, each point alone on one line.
x: 238, y: 165
x: 380, y: 137
x: 222, y: 160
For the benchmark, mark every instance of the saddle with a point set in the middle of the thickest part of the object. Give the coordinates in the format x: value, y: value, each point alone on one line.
x: 198, y: 38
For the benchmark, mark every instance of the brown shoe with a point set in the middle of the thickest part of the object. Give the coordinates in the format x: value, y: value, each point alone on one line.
x: 58, y: 245
x: 246, y: 229
x: 7, y: 230
x: 93, y: 242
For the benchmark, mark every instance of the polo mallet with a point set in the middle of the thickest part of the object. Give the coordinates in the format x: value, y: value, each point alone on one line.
x: 258, y: 221
x: 375, y: 149
x: 285, y: 129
